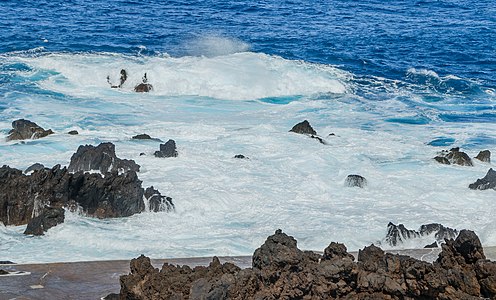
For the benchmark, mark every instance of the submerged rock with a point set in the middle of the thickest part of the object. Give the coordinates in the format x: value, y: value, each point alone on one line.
x: 397, y: 234
x: 143, y: 88
x: 487, y: 182
x: 142, y: 136
x: 25, y: 129
x: 454, y: 156
x: 240, y: 156
x: 167, y: 150
x: 157, y: 202
x: 73, y: 132
x: 303, y: 128
x: 50, y: 217
x: 282, y: 271
x: 100, y: 158
x: 355, y: 181
x: 484, y: 156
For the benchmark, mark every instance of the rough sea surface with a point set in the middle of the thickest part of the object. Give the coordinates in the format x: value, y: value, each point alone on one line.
x: 395, y: 81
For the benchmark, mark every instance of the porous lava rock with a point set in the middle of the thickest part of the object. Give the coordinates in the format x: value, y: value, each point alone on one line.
x: 167, y: 150
x: 485, y: 183
x: 355, y: 181
x: 397, y: 234
x: 282, y: 271
x: 484, y: 156
x: 25, y: 129
x: 157, y: 202
x: 50, y: 217
x: 454, y: 156
x: 100, y: 158
x: 303, y: 128
x: 143, y: 88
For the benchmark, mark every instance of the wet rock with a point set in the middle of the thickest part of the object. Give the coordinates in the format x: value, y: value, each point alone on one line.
x: 50, y: 217
x: 282, y: 271
x: 454, y: 156
x: 143, y: 88
x: 321, y: 140
x: 25, y: 129
x: 303, y: 128
x: 167, y: 150
x: 142, y: 136
x: 487, y: 182
x: 101, y: 158
x: 484, y: 156
x: 433, y: 245
x: 157, y: 202
x: 73, y: 132
x: 6, y: 262
x: 397, y: 234
x: 3, y: 272
x: 355, y: 181
x: 240, y: 156
x: 112, y: 297
x: 34, y: 167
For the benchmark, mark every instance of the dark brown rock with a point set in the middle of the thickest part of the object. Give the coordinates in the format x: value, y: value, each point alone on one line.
x: 484, y: 156
x: 454, y: 156
x: 303, y: 128
x: 49, y: 217
x: 157, y: 202
x: 25, y: 129
x: 143, y: 88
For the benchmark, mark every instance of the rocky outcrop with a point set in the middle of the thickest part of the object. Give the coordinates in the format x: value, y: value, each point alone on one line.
x: 36, y: 197
x: 241, y: 156
x: 485, y: 183
x: 167, y: 150
x: 355, y: 181
x: 34, y: 167
x: 50, y: 217
x: 157, y: 202
x: 100, y: 158
x: 25, y: 129
x: 142, y: 136
x: 484, y: 156
x: 397, y: 234
x: 454, y: 156
x: 73, y: 132
x: 143, y: 88
x: 282, y: 271
x: 303, y: 128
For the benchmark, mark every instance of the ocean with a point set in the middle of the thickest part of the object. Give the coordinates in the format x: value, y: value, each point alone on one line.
x: 395, y: 82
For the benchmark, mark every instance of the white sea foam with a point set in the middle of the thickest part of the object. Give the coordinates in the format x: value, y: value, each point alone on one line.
x: 227, y: 206
x: 215, y: 45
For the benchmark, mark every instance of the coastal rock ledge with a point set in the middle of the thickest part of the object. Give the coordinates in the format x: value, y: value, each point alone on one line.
x: 282, y: 271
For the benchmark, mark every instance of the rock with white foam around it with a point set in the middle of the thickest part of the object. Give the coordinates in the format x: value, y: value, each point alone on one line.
x: 398, y: 234
x: 167, y: 150
x: 25, y: 129
x: 454, y: 156
x: 355, y: 181
x: 484, y: 156
x: 100, y: 158
x: 485, y: 183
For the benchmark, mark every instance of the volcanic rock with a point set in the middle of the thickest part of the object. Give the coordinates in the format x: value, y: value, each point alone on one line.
x: 142, y: 136
x: 488, y: 182
x: 143, y: 88
x: 397, y: 234
x: 73, y: 132
x: 167, y: 150
x: 240, y: 156
x: 157, y: 202
x: 50, y: 217
x: 355, y: 181
x: 454, y: 156
x: 25, y: 129
x: 303, y: 128
x: 484, y: 156
x: 101, y: 158
x: 34, y: 167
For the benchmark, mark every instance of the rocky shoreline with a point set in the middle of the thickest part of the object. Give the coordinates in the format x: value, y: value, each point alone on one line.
x: 282, y: 271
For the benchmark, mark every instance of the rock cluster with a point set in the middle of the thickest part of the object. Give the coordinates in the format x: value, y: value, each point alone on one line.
x: 397, y: 234
x: 307, y: 129
x: 454, y: 156
x: 25, y: 129
x: 282, y: 271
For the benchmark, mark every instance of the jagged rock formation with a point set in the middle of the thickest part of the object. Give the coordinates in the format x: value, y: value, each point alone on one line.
x: 454, y: 156
x: 281, y: 271
x: 167, y: 150
x: 33, y: 167
x: 241, y: 156
x: 100, y: 158
x: 73, y: 132
x: 25, y: 129
x: 303, y: 128
x: 488, y: 182
x: 50, y: 217
x: 397, y: 234
x: 355, y: 181
x: 484, y: 156
x: 157, y: 202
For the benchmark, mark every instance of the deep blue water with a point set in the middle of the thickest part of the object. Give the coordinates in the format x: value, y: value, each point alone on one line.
x: 366, y: 37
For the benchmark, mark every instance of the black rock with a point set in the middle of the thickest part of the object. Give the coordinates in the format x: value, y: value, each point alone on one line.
x: 24, y: 129
x: 454, y: 156
x: 157, y: 202
x: 34, y: 167
x: 484, y: 156
x: 6, y: 262
x: 3, y: 272
x: 488, y: 182
x: 321, y: 140
x: 240, y: 156
x: 50, y: 217
x: 336, y: 250
x: 112, y: 297
x: 167, y: 150
x: 73, y: 132
x: 433, y: 245
x: 143, y: 88
x: 355, y: 181
x: 397, y: 234
x: 303, y: 128
x: 142, y: 136
x: 101, y: 158
x: 142, y: 154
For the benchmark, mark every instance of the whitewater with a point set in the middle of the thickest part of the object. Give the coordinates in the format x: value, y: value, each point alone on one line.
x: 217, y: 96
